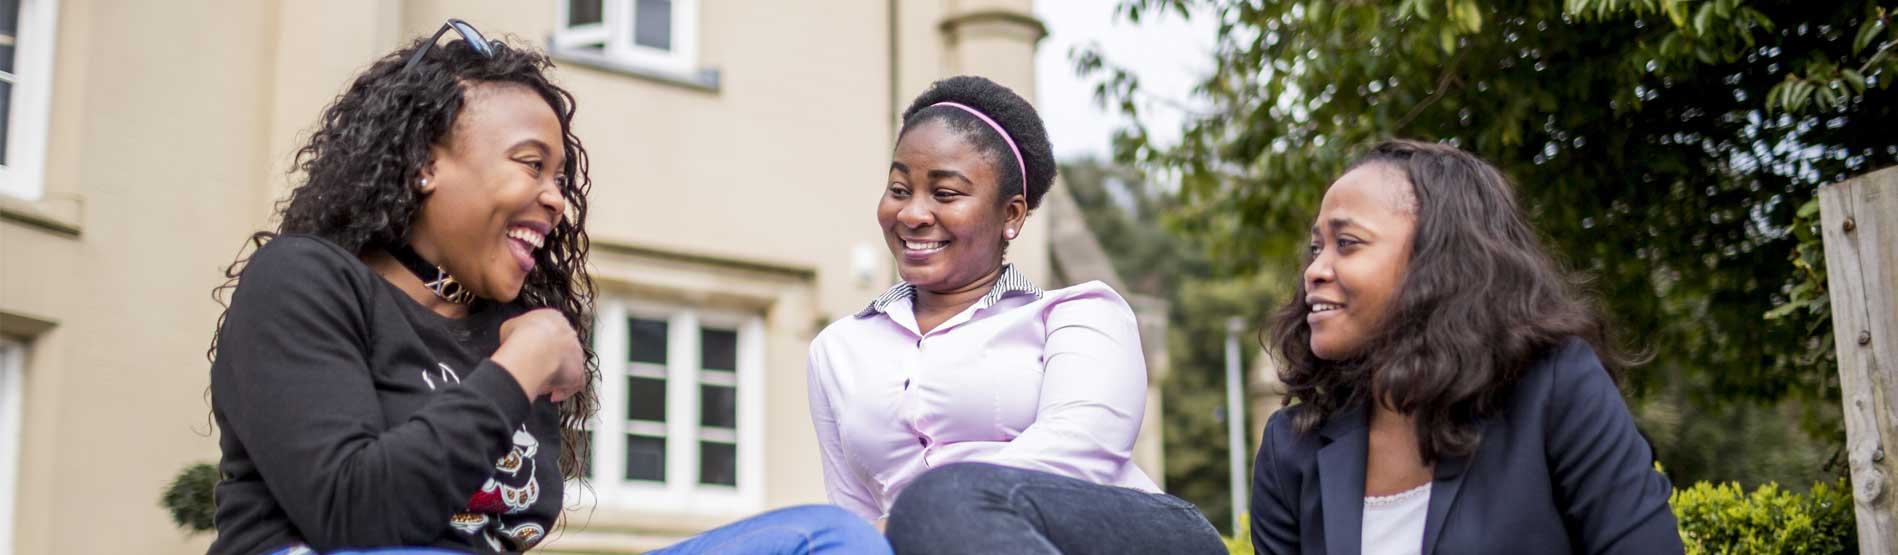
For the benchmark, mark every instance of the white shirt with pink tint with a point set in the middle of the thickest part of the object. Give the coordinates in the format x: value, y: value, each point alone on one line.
x: 1050, y: 381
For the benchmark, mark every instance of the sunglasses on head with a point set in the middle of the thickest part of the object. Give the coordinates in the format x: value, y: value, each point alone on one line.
x: 480, y: 44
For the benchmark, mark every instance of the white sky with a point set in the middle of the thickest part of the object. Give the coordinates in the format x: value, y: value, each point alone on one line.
x: 1169, y: 54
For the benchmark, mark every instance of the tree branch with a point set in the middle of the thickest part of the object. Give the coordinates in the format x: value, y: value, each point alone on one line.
x: 1443, y: 86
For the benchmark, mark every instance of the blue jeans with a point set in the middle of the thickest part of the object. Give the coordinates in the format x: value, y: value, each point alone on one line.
x: 985, y: 508
x: 801, y: 530
x: 305, y: 550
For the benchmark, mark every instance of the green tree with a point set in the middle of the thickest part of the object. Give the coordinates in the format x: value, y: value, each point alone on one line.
x: 1124, y: 212
x: 1664, y: 147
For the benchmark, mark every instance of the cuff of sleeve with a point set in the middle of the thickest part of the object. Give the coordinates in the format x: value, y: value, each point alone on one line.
x: 492, y: 381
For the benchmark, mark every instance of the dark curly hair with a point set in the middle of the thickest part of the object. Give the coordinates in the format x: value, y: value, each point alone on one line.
x: 357, y: 187
x: 1480, y: 302
x: 1010, y: 111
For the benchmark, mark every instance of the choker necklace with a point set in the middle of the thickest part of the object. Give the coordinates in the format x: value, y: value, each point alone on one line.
x: 434, y: 277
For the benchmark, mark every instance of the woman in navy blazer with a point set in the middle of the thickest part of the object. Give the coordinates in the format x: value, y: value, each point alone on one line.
x: 1455, y: 391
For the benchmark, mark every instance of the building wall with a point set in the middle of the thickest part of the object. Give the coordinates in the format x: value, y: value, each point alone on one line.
x: 171, y: 131
x: 156, y: 140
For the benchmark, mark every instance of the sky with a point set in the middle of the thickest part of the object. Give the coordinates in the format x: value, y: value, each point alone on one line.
x: 1170, y: 55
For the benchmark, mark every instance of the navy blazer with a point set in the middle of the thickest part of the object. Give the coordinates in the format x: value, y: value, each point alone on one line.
x: 1560, y: 469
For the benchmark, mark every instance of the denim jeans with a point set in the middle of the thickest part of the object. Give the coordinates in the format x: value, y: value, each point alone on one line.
x: 802, y: 530
x: 301, y: 549
x: 985, y: 508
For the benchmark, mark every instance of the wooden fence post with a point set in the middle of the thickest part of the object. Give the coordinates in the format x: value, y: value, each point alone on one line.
x: 1860, y: 220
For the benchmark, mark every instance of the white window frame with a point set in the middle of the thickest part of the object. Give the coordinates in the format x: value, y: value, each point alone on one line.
x: 681, y: 491
x: 614, y: 36
x: 23, y: 175
x: 12, y: 366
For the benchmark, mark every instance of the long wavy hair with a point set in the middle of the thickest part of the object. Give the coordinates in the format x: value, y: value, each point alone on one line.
x: 1480, y: 302
x: 358, y: 170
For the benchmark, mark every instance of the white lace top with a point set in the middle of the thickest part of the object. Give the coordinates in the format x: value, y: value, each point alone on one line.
x: 1394, y: 524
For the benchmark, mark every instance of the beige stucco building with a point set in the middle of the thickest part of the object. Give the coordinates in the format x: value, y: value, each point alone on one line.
x: 737, y: 151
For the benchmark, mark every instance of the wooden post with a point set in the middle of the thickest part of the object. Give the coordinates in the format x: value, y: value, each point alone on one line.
x: 1860, y: 220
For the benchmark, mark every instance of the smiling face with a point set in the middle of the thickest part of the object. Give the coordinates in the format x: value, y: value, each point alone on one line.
x: 942, y: 213
x: 493, y: 190
x: 1360, y: 248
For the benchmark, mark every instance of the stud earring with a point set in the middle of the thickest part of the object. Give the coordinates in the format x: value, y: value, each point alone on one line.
x: 1011, y: 234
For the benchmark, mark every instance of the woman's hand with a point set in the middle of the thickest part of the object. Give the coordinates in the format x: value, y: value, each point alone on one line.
x: 543, y: 353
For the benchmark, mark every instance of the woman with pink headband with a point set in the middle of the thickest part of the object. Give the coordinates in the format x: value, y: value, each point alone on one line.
x: 966, y: 409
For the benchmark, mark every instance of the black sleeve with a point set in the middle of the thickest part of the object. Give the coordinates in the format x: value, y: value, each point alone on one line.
x: 1611, y: 497
x: 1274, y: 518
x: 299, y: 394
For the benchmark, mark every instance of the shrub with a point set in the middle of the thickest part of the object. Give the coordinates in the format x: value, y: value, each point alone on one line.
x: 1241, y: 541
x: 1723, y: 519
x: 189, y: 498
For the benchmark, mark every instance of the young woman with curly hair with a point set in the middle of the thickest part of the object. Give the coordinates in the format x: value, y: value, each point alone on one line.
x: 404, y: 361
x: 1455, y: 390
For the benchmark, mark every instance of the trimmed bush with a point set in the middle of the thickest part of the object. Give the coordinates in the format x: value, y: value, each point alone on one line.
x: 1724, y: 519
x: 188, y: 498
x: 1241, y: 542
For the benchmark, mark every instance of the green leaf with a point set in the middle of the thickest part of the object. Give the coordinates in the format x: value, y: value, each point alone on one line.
x: 1703, y: 19
x: 1468, y: 18
x: 1575, y: 7
x: 1801, y: 92
x: 1855, y: 79
x: 1808, y: 210
x: 1676, y: 12
x: 1866, y: 34
x: 1759, y: 19
x: 1446, y: 39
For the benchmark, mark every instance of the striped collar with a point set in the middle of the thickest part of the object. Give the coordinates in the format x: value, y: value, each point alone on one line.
x: 1012, y: 282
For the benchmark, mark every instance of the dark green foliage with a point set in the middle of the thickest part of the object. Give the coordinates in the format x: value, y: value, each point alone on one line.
x: 1652, y: 143
x: 1124, y: 212
x: 188, y: 498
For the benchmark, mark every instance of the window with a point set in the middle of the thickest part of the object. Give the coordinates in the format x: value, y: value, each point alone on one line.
x: 660, y: 34
x: 681, y: 396
x: 12, y: 363
x: 26, y: 75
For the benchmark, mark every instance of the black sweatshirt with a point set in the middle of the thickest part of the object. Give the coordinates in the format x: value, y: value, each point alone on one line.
x: 351, y: 416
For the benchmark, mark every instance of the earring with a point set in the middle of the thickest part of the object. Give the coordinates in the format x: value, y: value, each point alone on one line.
x: 1011, y: 234
x: 424, y: 183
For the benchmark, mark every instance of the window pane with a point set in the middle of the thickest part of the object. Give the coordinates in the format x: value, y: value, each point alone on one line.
x: 718, y: 349
x: 718, y: 463
x: 645, y: 458
x: 646, y: 340
x: 586, y: 464
x: 718, y: 406
x: 583, y: 12
x: 645, y: 399
x: 9, y: 32
x: 6, y: 112
x: 9, y: 17
x: 652, y: 24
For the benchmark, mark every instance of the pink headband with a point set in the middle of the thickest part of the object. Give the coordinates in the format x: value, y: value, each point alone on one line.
x: 998, y: 130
